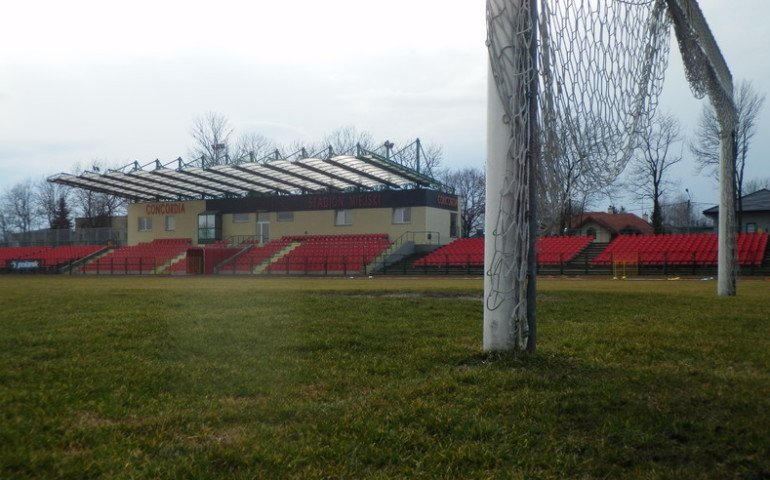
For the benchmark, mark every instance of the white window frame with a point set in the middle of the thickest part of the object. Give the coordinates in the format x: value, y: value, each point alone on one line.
x: 170, y: 223
x: 343, y: 218
x: 145, y: 224
x: 402, y: 215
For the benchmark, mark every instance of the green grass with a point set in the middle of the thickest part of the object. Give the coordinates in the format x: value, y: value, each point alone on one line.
x: 378, y: 378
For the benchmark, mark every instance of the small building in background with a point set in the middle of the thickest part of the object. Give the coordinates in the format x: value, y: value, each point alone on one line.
x: 603, y: 227
x: 755, y: 213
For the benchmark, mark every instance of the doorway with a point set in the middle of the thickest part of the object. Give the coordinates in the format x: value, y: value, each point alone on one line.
x: 263, y: 227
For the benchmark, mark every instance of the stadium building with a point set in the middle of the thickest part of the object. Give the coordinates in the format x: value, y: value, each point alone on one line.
x: 348, y: 214
x: 336, y: 195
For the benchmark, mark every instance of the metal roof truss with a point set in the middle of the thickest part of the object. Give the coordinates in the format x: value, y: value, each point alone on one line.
x: 305, y: 175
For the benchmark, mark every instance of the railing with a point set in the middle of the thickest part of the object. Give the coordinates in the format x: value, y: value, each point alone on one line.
x: 221, y: 266
x: 64, y: 237
x: 122, y: 266
x: 236, y: 240
x: 427, y: 237
x: 306, y: 265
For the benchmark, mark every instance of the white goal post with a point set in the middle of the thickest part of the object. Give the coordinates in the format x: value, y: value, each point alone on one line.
x: 615, y: 109
x: 708, y: 74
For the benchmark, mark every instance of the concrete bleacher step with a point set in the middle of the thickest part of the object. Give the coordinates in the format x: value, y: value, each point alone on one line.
x: 93, y: 258
x: 378, y: 259
x: 222, y: 267
x: 164, y: 267
x: 581, y: 264
x: 79, y: 265
x: 389, y: 256
x: 275, y: 257
x: 174, y: 261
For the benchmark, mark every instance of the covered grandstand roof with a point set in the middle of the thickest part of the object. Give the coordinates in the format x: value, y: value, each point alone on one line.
x: 177, y: 180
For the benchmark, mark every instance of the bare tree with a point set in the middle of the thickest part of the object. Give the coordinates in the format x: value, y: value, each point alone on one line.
x: 211, y: 139
x: 342, y: 140
x: 346, y: 138
x: 96, y: 208
x: 469, y: 185
x: 705, y: 145
x: 573, y: 173
x: 652, y: 162
x: 5, y: 228
x: 679, y: 214
x: 47, y: 198
x: 756, y: 184
x: 250, y: 147
x: 18, y: 203
x: 302, y: 147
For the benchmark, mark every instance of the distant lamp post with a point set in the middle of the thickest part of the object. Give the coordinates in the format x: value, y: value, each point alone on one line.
x: 217, y: 148
x: 689, y: 208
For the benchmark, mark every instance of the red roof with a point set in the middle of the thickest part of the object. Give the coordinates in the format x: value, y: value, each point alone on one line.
x: 614, y: 222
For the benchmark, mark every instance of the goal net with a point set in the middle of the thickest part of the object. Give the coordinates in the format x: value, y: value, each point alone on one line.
x: 575, y: 79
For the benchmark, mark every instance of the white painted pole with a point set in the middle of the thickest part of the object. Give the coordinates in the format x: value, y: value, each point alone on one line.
x: 499, y: 278
x: 727, y: 268
x: 507, y: 213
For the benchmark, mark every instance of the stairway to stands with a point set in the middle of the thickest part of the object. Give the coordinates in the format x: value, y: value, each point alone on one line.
x: 581, y: 264
x: 586, y: 257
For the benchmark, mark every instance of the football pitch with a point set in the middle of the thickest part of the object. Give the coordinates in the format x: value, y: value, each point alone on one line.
x: 212, y: 377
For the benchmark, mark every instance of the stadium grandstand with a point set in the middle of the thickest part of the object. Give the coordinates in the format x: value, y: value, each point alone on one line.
x: 359, y: 212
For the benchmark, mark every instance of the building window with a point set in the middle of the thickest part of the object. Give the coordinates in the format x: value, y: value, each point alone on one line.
x: 170, y: 224
x: 145, y: 224
x: 285, y: 216
x: 591, y: 232
x: 751, y: 228
x: 343, y: 217
x: 453, y: 230
x: 241, y: 217
x: 209, y: 228
x: 402, y: 215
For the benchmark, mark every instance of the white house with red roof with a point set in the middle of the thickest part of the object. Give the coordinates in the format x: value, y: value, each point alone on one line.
x: 603, y: 227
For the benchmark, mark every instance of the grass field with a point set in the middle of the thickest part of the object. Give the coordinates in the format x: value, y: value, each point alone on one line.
x: 378, y: 378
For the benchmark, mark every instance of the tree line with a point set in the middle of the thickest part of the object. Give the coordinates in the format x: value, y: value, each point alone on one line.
x: 576, y: 174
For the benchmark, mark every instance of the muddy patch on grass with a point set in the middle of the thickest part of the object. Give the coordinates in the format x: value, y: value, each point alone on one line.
x: 447, y: 295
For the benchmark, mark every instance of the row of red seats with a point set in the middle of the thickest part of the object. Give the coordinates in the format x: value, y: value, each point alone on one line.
x: 255, y: 256
x: 460, y: 252
x: 18, y: 253
x: 171, y: 241
x: 143, y: 257
x: 470, y: 251
x: 559, y: 250
x: 320, y: 263
x: 48, y: 256
x: 351, y: 237
x: 348, y: 253
x: 698, y: 249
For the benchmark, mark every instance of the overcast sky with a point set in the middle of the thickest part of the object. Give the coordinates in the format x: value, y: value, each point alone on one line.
x: 118, y: 82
